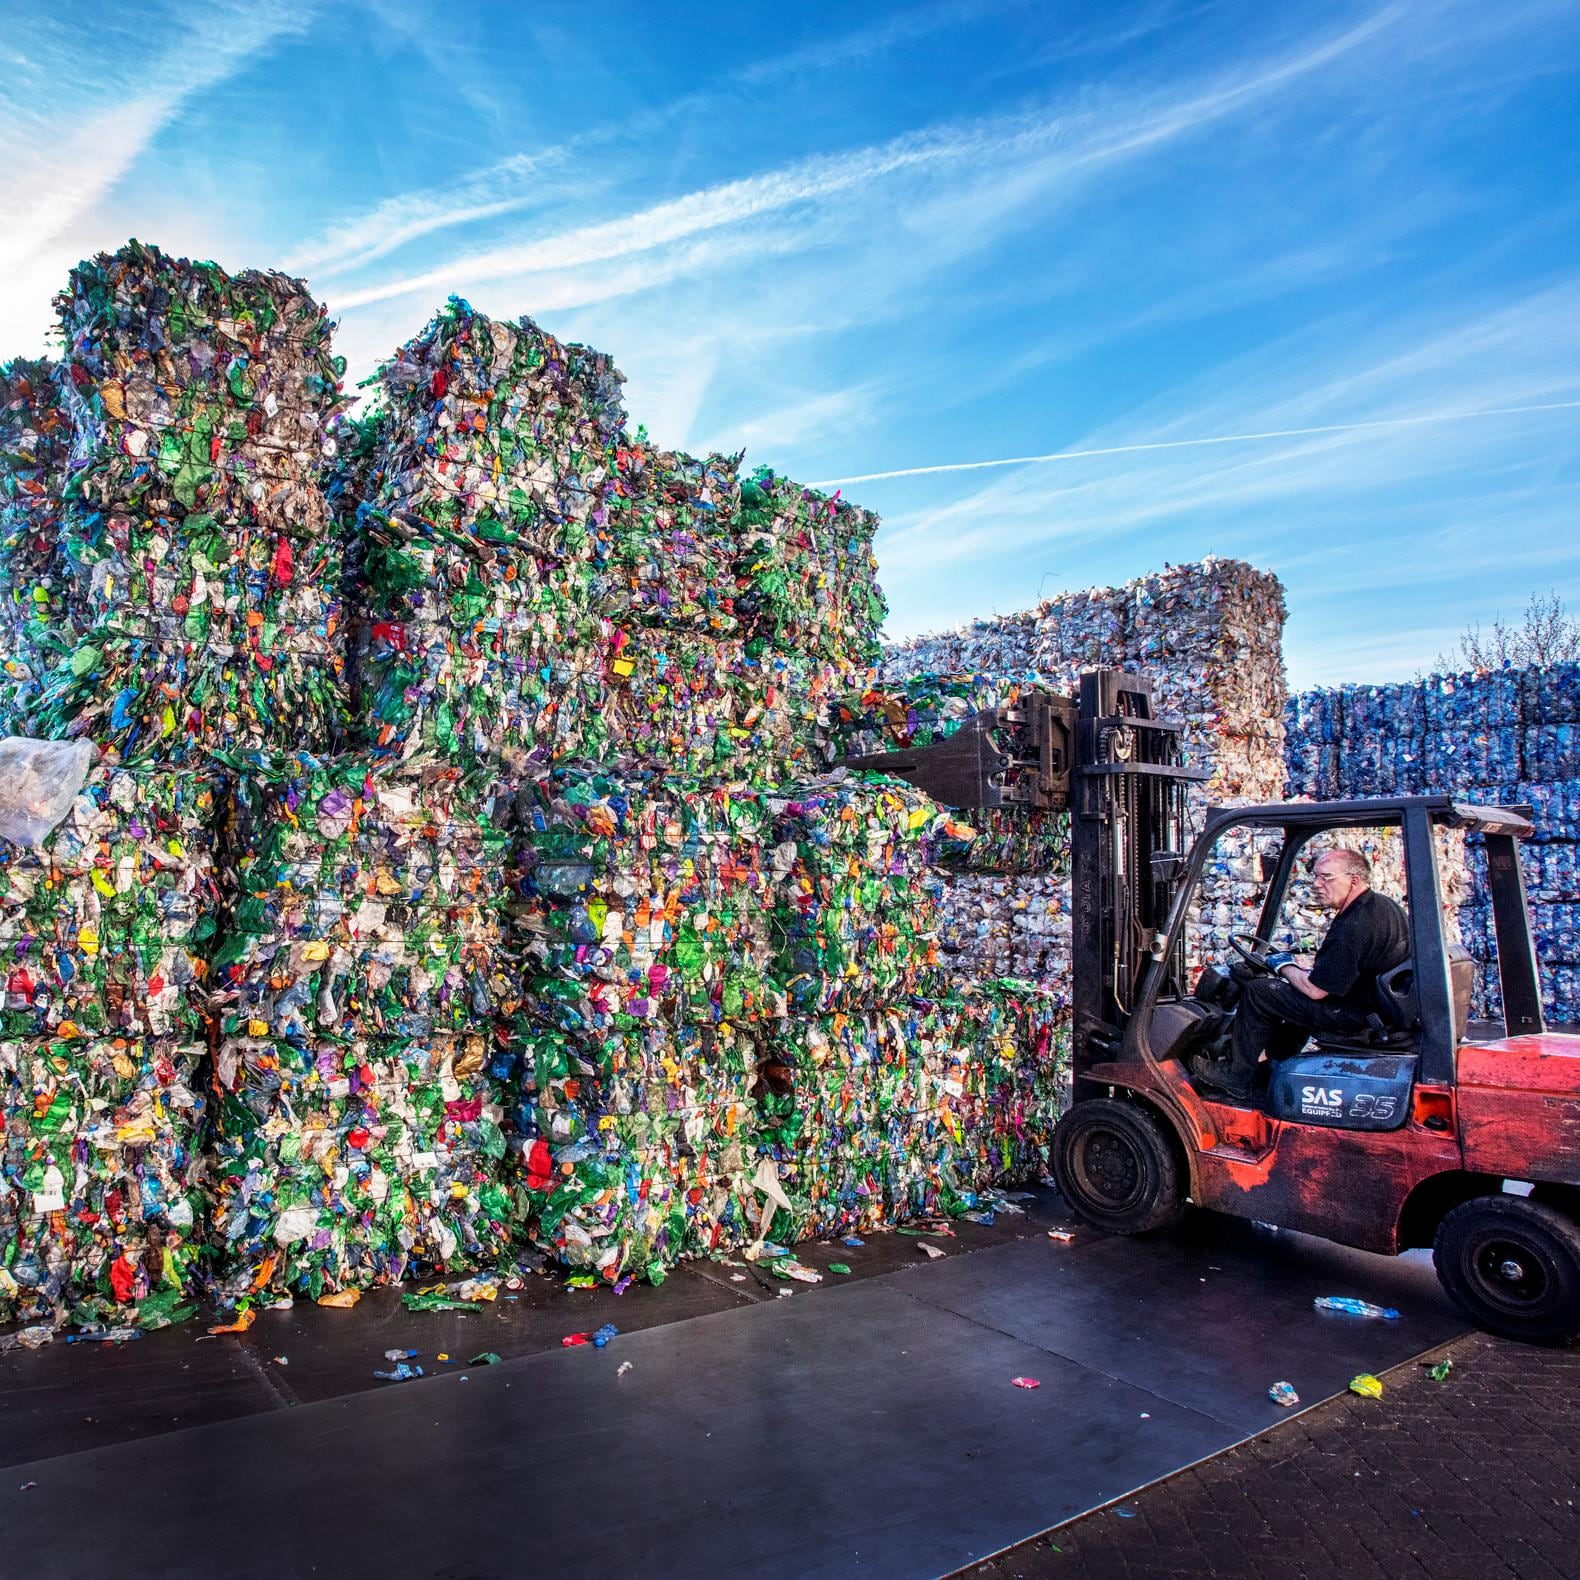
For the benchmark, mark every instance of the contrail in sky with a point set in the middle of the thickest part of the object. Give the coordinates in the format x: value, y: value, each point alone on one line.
x: 1190, y: 444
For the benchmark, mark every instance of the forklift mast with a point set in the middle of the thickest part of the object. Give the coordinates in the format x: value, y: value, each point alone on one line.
x: 1117, y: 768
x: 1128, y: 844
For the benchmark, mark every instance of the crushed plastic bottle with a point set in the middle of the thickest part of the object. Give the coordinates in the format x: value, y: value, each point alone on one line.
x: 104, y: 1336
x: 402, y: 1373
x: 1353, y: 1307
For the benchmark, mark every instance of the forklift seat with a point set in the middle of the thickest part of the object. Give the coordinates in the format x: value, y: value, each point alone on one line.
x: 1396, y: 1023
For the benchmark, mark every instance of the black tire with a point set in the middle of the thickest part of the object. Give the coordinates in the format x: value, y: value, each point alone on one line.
x: 1566, y: 1198
x: 1115, y: 1166
x: 1512, y: 1265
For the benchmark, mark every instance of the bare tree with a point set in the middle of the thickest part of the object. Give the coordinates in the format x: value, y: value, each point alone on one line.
x: 1549, y: 634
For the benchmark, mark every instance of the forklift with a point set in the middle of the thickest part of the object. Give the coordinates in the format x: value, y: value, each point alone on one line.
x: 1411, y: 1133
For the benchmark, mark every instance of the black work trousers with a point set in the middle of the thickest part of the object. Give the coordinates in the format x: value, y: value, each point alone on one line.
x: 1275, y: 1017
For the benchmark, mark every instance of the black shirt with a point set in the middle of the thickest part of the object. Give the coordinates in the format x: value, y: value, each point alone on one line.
x: 1369, y: 936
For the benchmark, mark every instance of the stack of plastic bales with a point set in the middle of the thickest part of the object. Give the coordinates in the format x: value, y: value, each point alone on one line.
x: 35, y: 440
x: 897, y: 1089
x: 1207, y: 635
x: 1550, y: 700
x: 203, y: 573
x: 730, y: 1009
x: 357, y: 1136
x: 108, y: 903
x: 1506, y: 737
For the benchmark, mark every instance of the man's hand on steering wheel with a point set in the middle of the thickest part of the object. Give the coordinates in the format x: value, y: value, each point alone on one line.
x: 1255, y: 957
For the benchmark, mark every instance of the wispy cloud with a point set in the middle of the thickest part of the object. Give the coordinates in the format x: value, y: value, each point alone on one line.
x: 79, y: 108
x: 516, y: 183
x: 864, y: 43
x: 1203, y: 443
x: 60, y: 153
x: 1036, y: 148
x: 1351, y: 516
x: 409, y: 216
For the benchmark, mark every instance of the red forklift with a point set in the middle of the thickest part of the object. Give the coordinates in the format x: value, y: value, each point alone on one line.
x: 1413, y: 1133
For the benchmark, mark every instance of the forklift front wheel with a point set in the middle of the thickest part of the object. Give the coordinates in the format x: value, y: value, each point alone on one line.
x: 1513, y: 1267
x: 1115, y: 1167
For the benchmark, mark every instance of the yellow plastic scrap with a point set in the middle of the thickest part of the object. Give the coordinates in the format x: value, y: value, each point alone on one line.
x: 1367, y: 1386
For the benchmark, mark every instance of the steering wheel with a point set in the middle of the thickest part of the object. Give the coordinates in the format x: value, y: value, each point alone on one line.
x: 1251, y: 956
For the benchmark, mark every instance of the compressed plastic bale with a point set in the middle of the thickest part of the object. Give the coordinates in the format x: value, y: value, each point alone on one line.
x: 1550, y: 693
x: 1552, y: 751
x: 494, y: 470
x: 161, y: 701
x: 665, y: 550
x: 1313, y: 725
x: 855, y: 905
x: 918, y: 710
x: 35, y: 443
x: 196, y: 390
x: 368, y: 901
x: 1455, y: 759
x: 806, y: 574
x: 99, y: 1179
x: 645, y: 1156
x: 1555, y: 807
x: 358, y: 1131
x: 908, y: 1111
x: 108, y: 922
x: 203, y: 566
x: 343, y: 1165
x: 992, y: 925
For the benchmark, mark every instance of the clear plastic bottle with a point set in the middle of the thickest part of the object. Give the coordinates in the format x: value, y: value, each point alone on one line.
x: 1354, y: 1307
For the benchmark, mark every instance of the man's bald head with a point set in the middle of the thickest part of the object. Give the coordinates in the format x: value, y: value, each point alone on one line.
x: 1351, y: 863
x: 1340, y: 876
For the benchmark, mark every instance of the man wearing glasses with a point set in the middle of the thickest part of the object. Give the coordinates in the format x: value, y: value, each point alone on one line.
x: 1277, y: 1013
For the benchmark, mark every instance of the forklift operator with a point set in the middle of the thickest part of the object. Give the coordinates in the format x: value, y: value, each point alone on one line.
x: 1276, y: 1013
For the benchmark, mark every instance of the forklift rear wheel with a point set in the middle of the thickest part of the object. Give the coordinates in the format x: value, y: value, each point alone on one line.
x: 1115, y: 1167
x: 1512, y: 1265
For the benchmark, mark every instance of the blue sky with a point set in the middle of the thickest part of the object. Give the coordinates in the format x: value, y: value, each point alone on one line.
x: 867, y: 239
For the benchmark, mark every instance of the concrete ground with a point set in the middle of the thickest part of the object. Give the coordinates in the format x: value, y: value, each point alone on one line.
x: 1474, y: 1475
x: 1470, y: 1478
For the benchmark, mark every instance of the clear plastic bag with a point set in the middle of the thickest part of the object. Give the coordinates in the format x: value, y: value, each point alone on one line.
x: 39, y: 780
